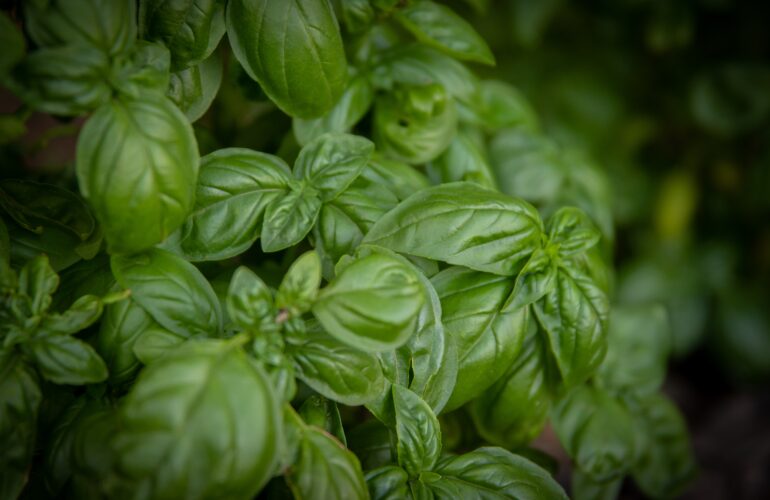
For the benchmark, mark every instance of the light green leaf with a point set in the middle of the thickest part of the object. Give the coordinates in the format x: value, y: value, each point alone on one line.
x: 234, y: 188
x: 488, y: 338
x: 171, y: 290
x: 293, y: 49
x: 465, y: 160
x: 153, y: 343
x: 299, y: 286
x: 499, y: 105
x: 373, y: 304
x: 574, y: 315
x: 249, y: 300
x: 289, y: 218
x: 202, y: 419
x: 437, y: 25
x: 331, y: 162
x: 349, y: 109
x: 463, y: 224
x: 81, y: 314
x: 149, y: 145
x: 417, y: 431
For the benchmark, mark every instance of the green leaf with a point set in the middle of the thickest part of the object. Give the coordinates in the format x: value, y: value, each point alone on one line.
x: 639, y: 342
x: 234, y: 188
x: 82, y: 313
x: 324, y: 414
x: 417, y: 64
x: 155, y: 342
x: 667, y: 464
x: 586, y: 488
x: 438, y: 26
x: 34, y: 206
x: 490, y: 232
x: 373, y: 304
x: 499, y: 105
x: 401, y: 179
x: 414, y: 124
x: 204, y: 420
x: 12, y: 41
x: 143, y: 69
x: 324, y: 468
x: 109, y: 25
x: 289, y: 218
x: 123, y: 322
x: 63, y: 359
x: 572, y: 230
x: 357, y: 15
x: 514, y: 411
x: 597, y: 431
x: 388, y: 483
x: 299, y: 286
x: 67, y: 80
x: 495, y: 472
x: 536, y: 279
x: 20, y: 399
x: 193, y: 89
x: 293, y: 49
x: 349, y: 109
x: 171, y: 290
x: 138, y: 203
x: 335, y: 370
x: 488, y: 338
x: 191, y: 29
x: 465, y: 160
x: 249, y: 301
x: 574, y: 315
x: 38, y: 281
x: 417, y: 430
x: 332, y: 162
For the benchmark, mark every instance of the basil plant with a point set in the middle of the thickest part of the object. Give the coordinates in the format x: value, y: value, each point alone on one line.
x: 314, y: 258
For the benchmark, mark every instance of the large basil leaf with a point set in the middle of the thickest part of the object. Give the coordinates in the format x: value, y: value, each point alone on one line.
x: 323, y: 468
x: 193, y: 89
x: 514, y: 410
x: 417, y: 64
x: 597, y: 431
x: 373, y: 304
x: 137, y: 163
x: 574, y: 315
x: 171, y: 290
x: 495, y: 472
x: 488, y: 338
x: 639, y: 341
x: 349, y: 109
x: 202, y: 420
x: 463, y: 224
x: 439, y: 26
x: 388, y: 483
x: 67, y: 80
x: 191, y: 29
x: 332, y: 162
x: 335, y: 370
x: 293, y: 48
x: 289, y: 218
x: 667, y: 463
x: 122, y: 324
x: 414, y: 124
x: 109, y: 25
x: 417, y: 431
x: 235, y: 186
x: 20, y: 399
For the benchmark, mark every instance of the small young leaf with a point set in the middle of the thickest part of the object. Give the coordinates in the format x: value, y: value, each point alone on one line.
x: 536, y: 279
x: 38, y: 281
x: 332, y: 162
x: 63, y: 359
x: 249, y: 301
x: 417, y: 431
x: 299, y: 287
x: 289, y: 218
